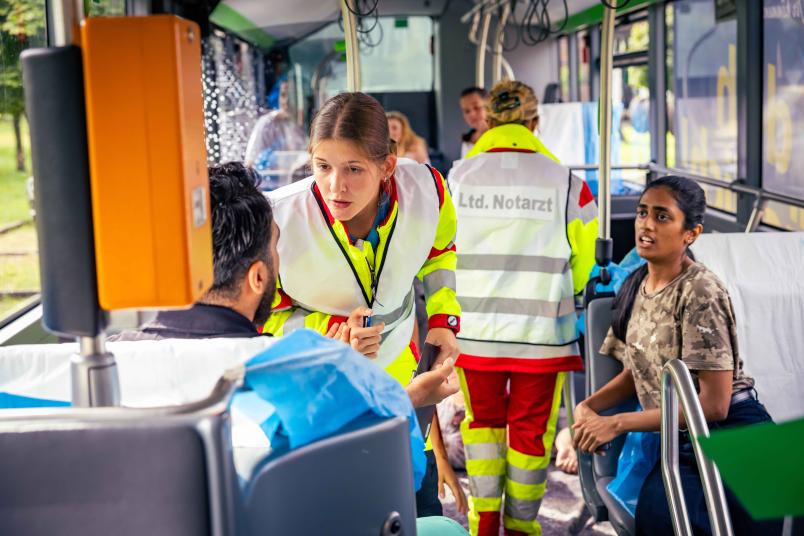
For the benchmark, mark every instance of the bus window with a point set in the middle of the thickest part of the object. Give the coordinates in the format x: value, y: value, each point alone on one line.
x: 564, y: 68
x: 630, y: 91
x: 19, y: 263
x: 783, y: 158
x: 584, y: 60
x: 231, y: 100
x: 702, y: 105
x: 395, y: 56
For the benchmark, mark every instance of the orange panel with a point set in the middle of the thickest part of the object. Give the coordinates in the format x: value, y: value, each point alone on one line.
x: 150, y: 190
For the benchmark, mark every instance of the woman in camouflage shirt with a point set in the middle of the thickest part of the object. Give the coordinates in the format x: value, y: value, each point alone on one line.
x: 672, y: 308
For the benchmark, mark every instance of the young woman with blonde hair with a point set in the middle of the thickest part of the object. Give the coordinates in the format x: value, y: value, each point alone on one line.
x: 408, y: 144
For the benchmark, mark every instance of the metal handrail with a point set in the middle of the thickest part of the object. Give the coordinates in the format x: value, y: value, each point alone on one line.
x: 676, y: 377
x: 497, y: 57
x: 353, y: 82
x: 480, y: 58
x: 604, y: 114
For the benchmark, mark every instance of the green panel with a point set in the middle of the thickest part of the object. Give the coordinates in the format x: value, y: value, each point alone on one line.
x: 594, y: 15
x: 763, y: 466
x: 231, y: 20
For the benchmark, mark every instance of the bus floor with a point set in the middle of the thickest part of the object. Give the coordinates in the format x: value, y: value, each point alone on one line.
x: 562, y: 510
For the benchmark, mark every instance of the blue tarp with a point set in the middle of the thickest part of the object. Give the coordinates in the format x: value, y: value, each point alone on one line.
x: 319, y: 385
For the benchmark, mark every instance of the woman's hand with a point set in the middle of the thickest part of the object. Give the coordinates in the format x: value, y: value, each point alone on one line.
x: 583, y: 411
x: 364, y: 340
x: 447, y: 343
x: 593, y: 431
x: 447, y: 476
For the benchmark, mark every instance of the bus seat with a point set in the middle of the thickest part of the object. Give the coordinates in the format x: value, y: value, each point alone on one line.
x: 359, y: 482
x: 597, y: 471
x: 355, y: 480
x: 764, y: 274
x: 99, y: 471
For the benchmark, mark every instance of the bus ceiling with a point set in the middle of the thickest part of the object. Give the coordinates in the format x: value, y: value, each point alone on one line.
x: 277, y: 22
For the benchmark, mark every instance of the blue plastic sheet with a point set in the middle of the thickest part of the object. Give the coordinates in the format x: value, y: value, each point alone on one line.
x: 619, y: 273
x: 318, y: 386
x: 637, y: 458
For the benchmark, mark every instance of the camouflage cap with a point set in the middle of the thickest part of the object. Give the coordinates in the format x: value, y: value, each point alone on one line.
x: 511, y: 102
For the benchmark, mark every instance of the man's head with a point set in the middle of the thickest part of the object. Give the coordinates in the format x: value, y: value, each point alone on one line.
x: 473, y: 107
x: 244, y: 240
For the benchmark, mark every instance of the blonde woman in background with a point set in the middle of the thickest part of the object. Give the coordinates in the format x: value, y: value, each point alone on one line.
x: 408, y: 144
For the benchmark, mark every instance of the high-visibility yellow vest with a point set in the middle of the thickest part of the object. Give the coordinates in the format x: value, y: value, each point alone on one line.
x: 514, y: 279
x: 319, y: 274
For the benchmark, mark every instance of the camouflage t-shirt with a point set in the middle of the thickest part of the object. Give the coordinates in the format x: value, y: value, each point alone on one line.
x: 692, y: 318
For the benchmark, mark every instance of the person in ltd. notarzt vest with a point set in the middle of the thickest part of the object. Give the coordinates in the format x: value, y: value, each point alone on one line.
x: 525, y: 248
x: 355, y: 235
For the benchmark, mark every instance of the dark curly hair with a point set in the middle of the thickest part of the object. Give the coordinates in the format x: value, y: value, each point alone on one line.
x: 241, y: 225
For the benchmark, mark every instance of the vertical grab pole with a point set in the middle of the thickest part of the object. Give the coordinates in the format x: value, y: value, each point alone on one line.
x: 604, y: 247
x: 353, y: 82
x: 59, y: 151
x: 677, y: 383
x: 497, y: 57
x: 480, y: 64
x: 670, y: 472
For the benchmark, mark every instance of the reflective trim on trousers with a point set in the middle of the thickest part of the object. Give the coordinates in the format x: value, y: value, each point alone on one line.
x: 484, y: 451
x: 525, y: 476
x: 438, y: 279
x: 516, y: 306
x: 513, y: 263
x: 525, y: 510
x: 486, y: 486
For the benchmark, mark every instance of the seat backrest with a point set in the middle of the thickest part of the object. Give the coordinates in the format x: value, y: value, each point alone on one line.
x: 764, y: 274
x: 353, y: 482
x: 119, y: 471
x: 600, y: 369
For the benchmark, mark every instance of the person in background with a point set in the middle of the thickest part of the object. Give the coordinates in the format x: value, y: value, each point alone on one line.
x: 275, y: 132
x: 673, y: 308
x: 525, y: 249
x: 354, y: 236
x: 408, y: 144
x: 473, y: 107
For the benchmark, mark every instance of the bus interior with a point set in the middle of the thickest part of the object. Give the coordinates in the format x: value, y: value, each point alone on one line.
x: 628, y: 90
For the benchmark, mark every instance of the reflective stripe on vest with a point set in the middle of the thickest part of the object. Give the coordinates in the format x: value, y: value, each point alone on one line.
x: 316, y: 273
x: 514, y: 280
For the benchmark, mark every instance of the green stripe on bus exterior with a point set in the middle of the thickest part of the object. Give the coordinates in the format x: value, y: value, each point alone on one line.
x: 230, y: 19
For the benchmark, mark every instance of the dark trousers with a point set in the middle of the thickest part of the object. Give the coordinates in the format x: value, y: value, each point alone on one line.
x: 653, y: 514
x: 427, y: 502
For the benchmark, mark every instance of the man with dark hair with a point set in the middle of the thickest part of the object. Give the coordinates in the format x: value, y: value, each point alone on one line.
x: 244, y: 256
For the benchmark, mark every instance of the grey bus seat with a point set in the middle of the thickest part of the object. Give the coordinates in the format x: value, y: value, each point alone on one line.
x: 122, y: 471
x: 355, y: 483
x: 597, y: 471
x: 170, y: 469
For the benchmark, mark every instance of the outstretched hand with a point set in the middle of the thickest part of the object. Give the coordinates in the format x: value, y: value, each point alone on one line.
x: 433, y: 386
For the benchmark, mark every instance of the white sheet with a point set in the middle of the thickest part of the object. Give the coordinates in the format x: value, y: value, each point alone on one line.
x: 152, y: 373
x: 764, y: 273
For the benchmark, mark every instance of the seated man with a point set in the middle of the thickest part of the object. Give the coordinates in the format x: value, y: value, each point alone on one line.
x: 244, y: 238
